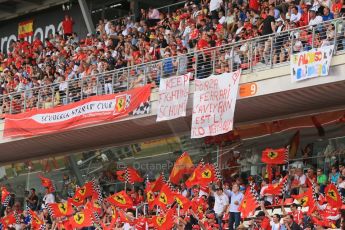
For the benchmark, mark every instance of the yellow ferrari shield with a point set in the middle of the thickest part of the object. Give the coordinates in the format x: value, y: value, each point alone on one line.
x: 206, y: 174
x: 120, y: 199
x: 332, y: 194
x: 82, y: 190
x: 79, y: 218
x: 272, y: 154
x: 244, y: 204
x: 160, y: 220
x: 150, y: 196
x: 163, y: 198
x: 179, y: 202
x: 120, y: 103
x: 63, y: 208
x: 304, y: 201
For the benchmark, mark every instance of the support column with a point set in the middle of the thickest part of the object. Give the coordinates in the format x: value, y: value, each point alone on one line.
x: 87, y: 16
x: 76, y: 170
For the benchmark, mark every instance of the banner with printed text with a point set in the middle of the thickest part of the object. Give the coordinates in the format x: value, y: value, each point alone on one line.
x: 95, y: 109
x: 173, y: 97
x: 214, y: 104
x: 312, y: 63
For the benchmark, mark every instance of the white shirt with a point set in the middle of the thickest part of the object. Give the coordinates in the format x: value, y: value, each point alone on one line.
x: 215, y: 4
x: 220, y: 202
x: 317, y: 20
x: 342, y: 184
x: 48, y: 199
x: 301, y: 179
x: 295, y: 17
x: 275, y: 226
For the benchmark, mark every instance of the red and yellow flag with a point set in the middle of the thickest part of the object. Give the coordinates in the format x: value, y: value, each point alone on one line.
x: 275, y: 156
x: 5, y: 196
x: 8, y: 220
x: 165, y: 221
x: 81, y: 219
x: 165, y: 197
x: 183, y: 165
x: 121, y: 200
x: 60, y: 209
x: 248, y: 204
x: 36, y: 222
x: 332, y: 196
x: 25, y: 29
x: 129, y: 175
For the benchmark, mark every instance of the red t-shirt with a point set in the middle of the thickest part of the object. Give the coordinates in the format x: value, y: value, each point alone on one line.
x: 297, y: 216
x: 254, y: 4
x: 202, y: 44
x: 67, y: 26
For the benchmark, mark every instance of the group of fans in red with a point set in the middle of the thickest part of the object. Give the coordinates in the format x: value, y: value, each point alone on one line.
x: 193, y: 197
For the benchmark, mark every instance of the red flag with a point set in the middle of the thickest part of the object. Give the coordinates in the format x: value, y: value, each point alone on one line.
x: 206, y: 175
x: 94, y: 205
x: 121, y: 200
x: 5, y: 196
x: 249, y: 203
x: 182, y: 201
x: 85, y: 191
x: 8, y: 220
x: 194, y: 178
x: 150, y: 197
x: 76, y: 201
x: 81, y: 219
x: 130, y: 174
x: 157, y: 185
x: 275, y: 156
x: 199, y: 206
x: 332, y: 196
x: 165, y: 197
x: 123, y: 217
x: 47, y: 183
x: 183, y: 165
x: 140, y: 223
x: 305, y: 199
x: 36, y: 222
x: 276, y: 189
x: 60, y: 209
x: 164, y: 221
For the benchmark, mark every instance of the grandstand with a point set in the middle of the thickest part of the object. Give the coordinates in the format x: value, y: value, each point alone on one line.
x: 95, y: 94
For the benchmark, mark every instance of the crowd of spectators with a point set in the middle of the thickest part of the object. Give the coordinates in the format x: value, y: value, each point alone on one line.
x: 170, y: 37
x: 220, y: 202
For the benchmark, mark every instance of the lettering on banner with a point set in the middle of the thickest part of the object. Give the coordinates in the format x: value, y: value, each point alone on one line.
x: 312, y: 63
x: 173, y: 97
x: 214, y: 104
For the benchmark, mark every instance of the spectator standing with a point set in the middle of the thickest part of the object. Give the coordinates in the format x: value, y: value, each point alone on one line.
x: 48, y: 198
x: 67, y: 26
x: 32, y: 199
x: 221, y: 203
x: 268, y: 25
x: 214, y: 8
x: 235, y: 215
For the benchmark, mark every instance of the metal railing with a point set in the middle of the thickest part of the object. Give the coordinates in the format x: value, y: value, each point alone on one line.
x: 251, y: 55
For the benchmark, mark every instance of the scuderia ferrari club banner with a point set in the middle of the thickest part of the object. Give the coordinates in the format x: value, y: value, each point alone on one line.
x: 95, y: 109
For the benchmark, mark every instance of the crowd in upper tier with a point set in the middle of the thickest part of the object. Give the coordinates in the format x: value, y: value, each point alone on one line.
x: 170, y: 37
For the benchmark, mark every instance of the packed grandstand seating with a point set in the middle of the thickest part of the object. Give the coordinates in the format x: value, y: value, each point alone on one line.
x: 201, y: 37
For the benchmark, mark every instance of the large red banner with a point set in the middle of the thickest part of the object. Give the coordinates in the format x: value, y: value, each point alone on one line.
x: 95, y: 109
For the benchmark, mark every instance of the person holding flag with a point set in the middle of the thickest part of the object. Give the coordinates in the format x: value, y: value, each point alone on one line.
x: 221, y: 203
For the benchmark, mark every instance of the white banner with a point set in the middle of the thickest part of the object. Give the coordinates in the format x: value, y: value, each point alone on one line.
x: 173, y: 97
x: 312, y: 63
x: 214, y: 104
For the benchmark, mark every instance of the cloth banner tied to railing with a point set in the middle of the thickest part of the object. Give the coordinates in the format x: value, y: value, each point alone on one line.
x: 95, y: 109
x: 312, y: 63
x: 173, y: 97
x: 214, y: 104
